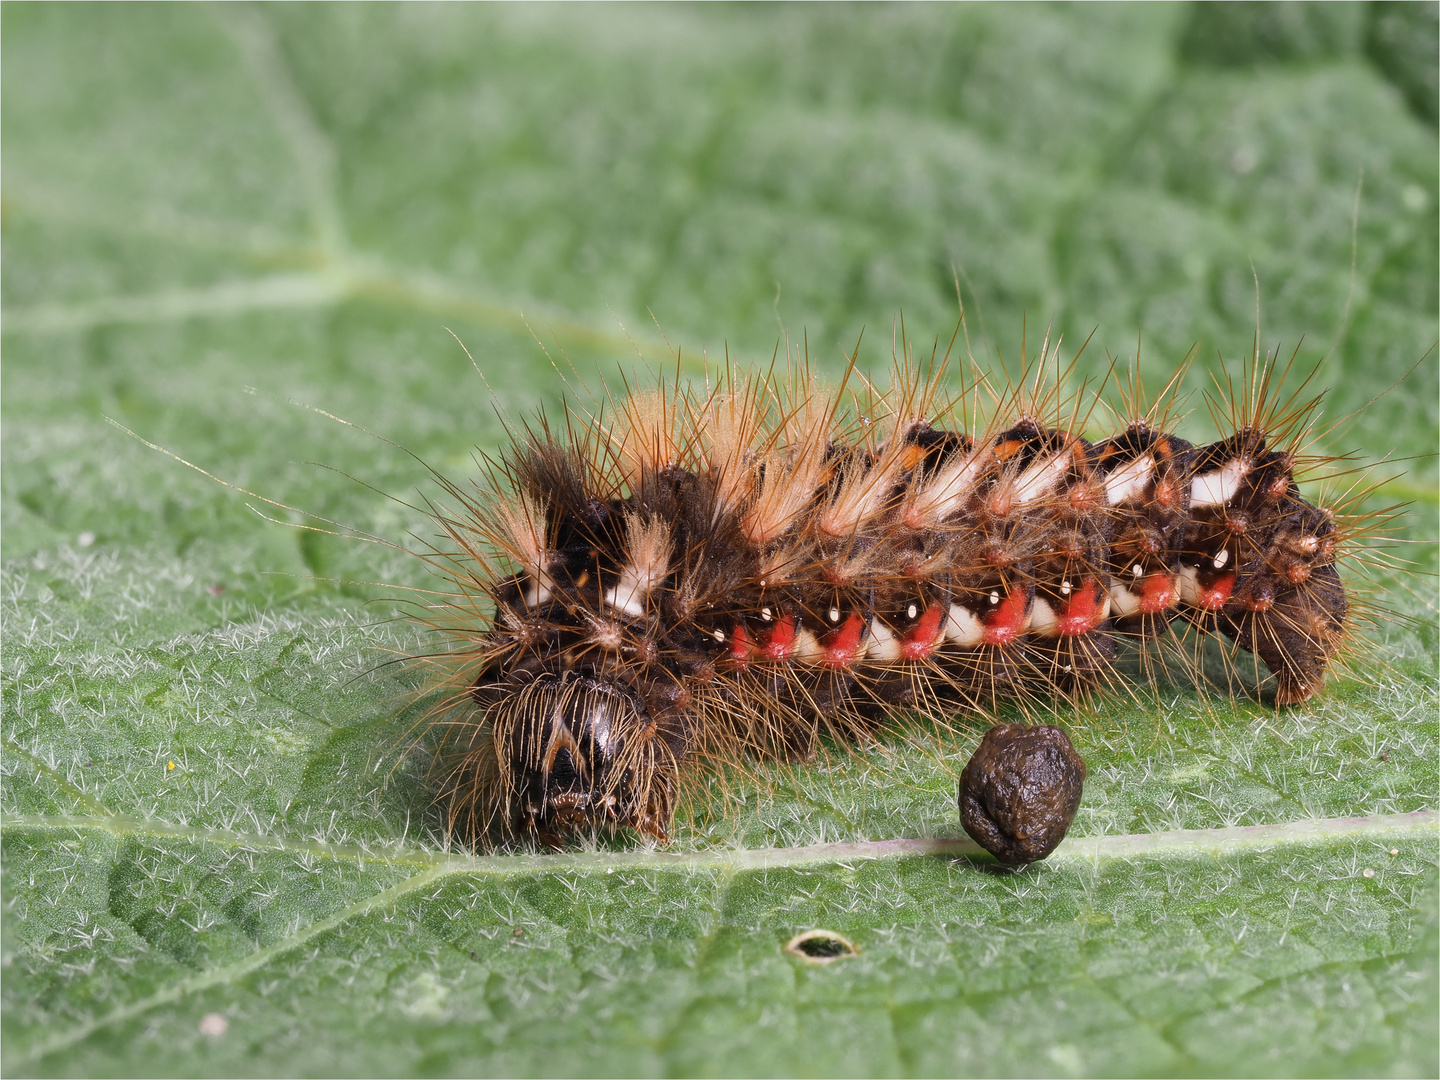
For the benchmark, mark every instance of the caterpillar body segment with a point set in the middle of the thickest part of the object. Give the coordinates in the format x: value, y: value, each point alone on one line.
x: 739, y: 574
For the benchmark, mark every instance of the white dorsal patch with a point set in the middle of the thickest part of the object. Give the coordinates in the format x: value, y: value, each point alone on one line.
x: 538, y: 591
x: 1125, y: 601
x: 731, y: 424
x: 944, y: 493
x: 524, y: 536
x: 860, y: 490
x: 648, y: 550
x: 1043, y: 620
x: 962, y: 627
x: 865, y: 492
x: 884, y: 646
x: 1040, y: 479
x: 1218, y: 487
x: 1130, y: 480
x: 790, y: 480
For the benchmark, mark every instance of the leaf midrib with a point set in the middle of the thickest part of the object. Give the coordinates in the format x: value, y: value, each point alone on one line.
x: 1177, y: 843
x: 434, y: 866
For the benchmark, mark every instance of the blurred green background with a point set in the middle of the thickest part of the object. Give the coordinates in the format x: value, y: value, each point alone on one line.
x: 210, y: 211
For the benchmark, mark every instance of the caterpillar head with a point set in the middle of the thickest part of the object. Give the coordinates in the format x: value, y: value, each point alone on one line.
x: 577, y: 752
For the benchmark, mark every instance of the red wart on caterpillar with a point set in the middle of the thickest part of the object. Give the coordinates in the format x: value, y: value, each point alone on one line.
x: 749, y: 567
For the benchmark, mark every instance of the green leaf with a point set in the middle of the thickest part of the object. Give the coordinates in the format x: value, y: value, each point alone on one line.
x: 215, y: 859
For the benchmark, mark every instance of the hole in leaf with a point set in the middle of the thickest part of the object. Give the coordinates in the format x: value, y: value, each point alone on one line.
x: 820, y: 946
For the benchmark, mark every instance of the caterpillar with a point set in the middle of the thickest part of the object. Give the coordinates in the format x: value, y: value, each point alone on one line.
x: 753, y: 565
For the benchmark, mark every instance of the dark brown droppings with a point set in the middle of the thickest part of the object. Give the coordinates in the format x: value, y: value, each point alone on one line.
x: 1020, y: 790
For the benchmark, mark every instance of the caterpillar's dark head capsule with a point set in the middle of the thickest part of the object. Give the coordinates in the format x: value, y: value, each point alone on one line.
x: 1020, y: 790
x: 577, y: 752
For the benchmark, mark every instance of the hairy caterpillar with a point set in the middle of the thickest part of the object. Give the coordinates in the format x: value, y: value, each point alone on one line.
x: 757, y: 564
